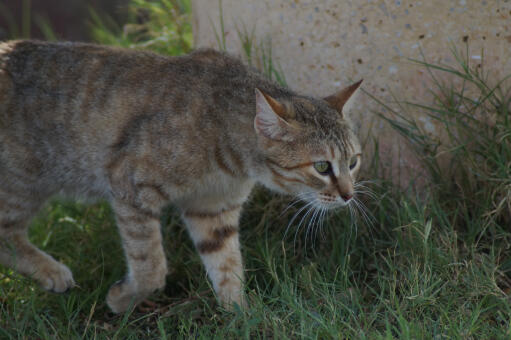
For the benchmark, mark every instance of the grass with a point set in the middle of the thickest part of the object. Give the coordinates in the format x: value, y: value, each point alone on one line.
x: 412, y: 275
x: 433, y: 263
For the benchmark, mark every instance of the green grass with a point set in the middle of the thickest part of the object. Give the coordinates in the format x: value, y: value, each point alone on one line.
x: 163, y: 26
x: 413, y: 274
x: 431, y: 264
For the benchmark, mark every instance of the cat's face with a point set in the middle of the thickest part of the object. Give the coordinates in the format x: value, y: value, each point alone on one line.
x: 310, y: 148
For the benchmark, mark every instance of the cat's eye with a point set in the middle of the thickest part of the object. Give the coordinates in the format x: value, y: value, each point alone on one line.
x: 323, y: 167
x: 353, y: 162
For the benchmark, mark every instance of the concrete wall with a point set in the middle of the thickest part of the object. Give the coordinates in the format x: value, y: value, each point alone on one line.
x: 323, y: 45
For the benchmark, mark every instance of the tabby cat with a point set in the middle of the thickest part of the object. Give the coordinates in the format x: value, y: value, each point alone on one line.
x: 142, y: 130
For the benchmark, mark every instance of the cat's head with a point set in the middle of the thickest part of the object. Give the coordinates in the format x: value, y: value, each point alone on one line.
x: 309, y: 146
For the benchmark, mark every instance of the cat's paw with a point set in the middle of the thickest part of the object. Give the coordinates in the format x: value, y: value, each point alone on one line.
x: 231, y: 306
x: 123, y: 295
x: 229, y: 298
x: 129, y: 292
x: 54, y: 276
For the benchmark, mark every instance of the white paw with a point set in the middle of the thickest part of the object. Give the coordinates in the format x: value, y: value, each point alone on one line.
x: 54, y: 276
x: 229, y: 297
x: 123, y: 295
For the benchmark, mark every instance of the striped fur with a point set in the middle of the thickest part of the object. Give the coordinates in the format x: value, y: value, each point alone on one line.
x: 216, y: 239
x: 141, y: 131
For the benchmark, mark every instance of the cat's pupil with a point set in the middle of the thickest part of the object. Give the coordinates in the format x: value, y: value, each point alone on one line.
x: 353, y: 163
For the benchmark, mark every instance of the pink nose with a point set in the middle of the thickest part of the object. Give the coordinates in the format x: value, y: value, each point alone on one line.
x: 347, y: 197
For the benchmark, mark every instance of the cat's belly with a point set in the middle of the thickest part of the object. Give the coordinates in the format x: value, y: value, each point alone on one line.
x: 87, y: 187
x: 215, y: 192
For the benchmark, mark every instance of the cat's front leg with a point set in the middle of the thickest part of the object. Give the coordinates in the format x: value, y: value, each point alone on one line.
x: 215, y: 235
x: 142, y: 244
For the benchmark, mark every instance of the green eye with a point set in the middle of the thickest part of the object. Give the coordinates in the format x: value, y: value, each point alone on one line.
x: 353, y: 162
x: 323, y: 167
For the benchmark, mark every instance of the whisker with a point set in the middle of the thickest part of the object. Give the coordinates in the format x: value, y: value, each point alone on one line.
x: 289, y: 206
x: 372, y: 182
x: 356, y: 186
x: 364, y: 190
x: 313, y: 216
x: 367, y: 216
x: 353, y: 225
x: 307, y: 230
x: 311, y: 226
x: 370, y: 218
x: 311, y: 208
x: 297, y: 199
x: 295, y: 216
x: 319, y: 225
x: 327, y: 218
x: 362, y: 213
x: 363, y: 185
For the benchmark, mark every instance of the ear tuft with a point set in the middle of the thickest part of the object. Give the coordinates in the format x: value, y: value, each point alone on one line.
x: 269, y: 121
x: 341, y: 100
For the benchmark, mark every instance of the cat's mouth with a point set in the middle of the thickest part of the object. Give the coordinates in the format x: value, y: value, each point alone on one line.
x: 329, y: 201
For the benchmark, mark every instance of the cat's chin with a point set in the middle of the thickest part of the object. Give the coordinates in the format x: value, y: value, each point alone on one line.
x: 332, y: 205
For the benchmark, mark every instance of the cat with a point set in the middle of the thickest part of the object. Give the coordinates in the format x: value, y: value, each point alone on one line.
x: 143, y: 130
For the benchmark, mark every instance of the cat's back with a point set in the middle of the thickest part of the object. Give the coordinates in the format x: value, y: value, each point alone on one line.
x: 65, y: 80
x: 29, y: 61
x: 65, y: 70
x: 24, y: 59
x: 79, y: 95
x: 73, y: 90
x: 48, y: 65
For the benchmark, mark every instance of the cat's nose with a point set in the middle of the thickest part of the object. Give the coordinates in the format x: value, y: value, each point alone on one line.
x: 347, y: 197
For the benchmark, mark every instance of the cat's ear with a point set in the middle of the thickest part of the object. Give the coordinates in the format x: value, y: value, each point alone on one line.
x: 270, y: 118
x: 343, y: 100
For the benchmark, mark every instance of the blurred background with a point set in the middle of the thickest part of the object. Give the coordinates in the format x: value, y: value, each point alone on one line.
x: 163, y: 26
x: 57, y: 19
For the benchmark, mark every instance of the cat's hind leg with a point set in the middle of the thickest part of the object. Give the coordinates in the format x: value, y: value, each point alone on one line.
x: 18, y: 253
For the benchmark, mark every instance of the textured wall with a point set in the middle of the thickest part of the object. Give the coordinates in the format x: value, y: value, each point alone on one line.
x: 322, y: 45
